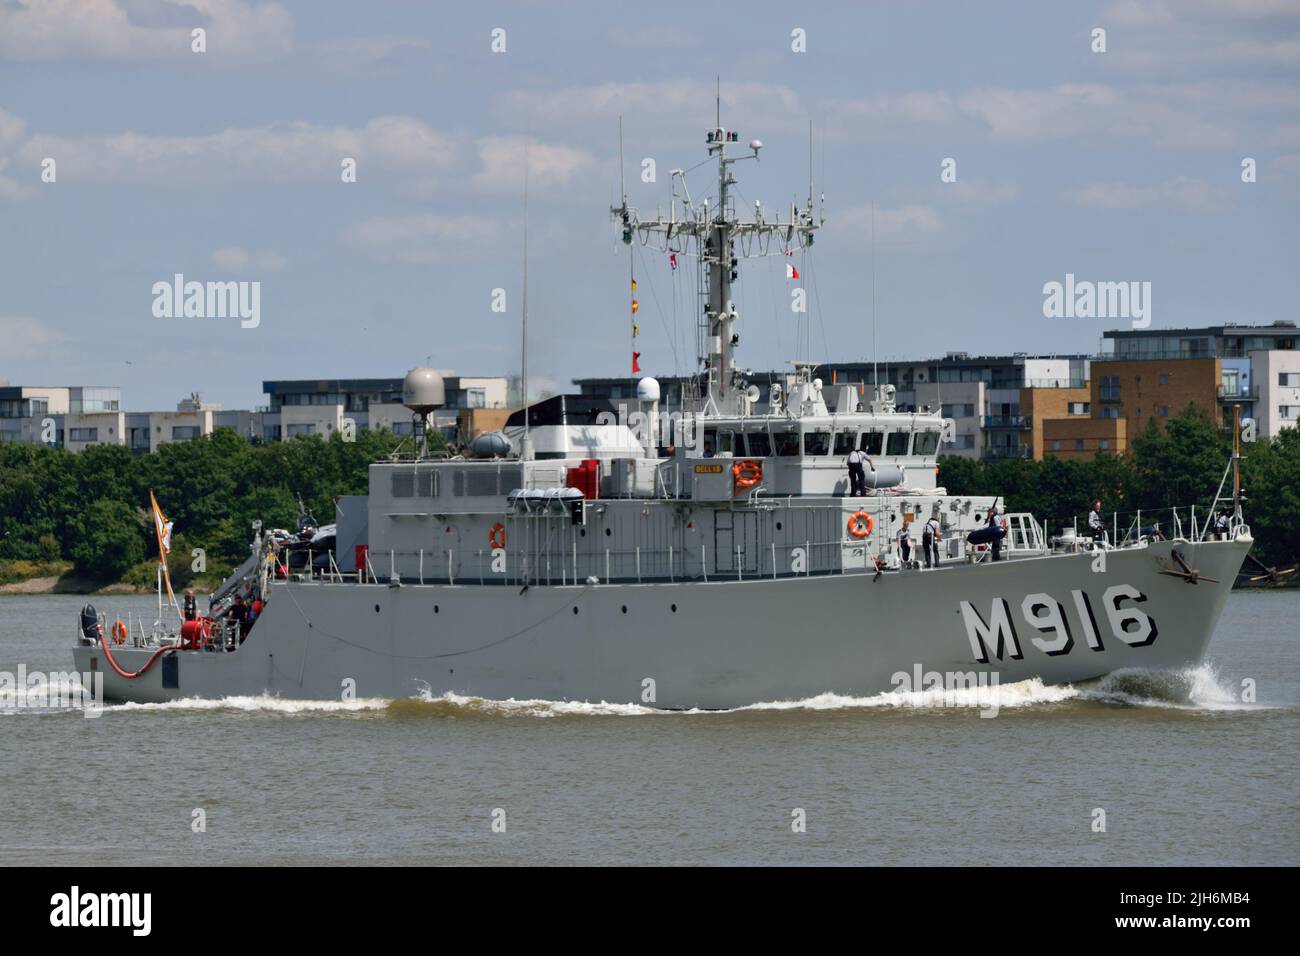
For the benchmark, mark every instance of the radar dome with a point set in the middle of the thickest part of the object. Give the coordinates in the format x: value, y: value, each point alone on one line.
x: 423, y: 390
x: 647, y: 390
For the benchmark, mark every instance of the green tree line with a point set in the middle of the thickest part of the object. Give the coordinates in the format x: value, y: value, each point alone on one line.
x: 1174, y: 468
x: 92, y: 507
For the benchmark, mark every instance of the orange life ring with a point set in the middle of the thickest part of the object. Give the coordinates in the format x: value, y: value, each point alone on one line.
x: 497, y: 536
x: 119, y: 631
x: 855, y: 524
x: 746, y: 474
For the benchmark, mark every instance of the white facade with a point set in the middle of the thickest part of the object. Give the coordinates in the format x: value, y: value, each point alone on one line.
x: 1276, y: 374
x: 81, y: 430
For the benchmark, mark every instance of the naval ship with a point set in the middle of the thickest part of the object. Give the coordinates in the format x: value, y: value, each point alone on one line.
x: 709, y: 556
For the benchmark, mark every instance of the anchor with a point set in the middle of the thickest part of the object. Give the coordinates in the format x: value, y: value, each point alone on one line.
x: 1188, y: 573
x: 1272, y: 575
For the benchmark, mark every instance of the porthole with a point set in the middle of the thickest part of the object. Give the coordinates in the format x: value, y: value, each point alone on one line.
x: 376, y: 608
x: 575, y: 609
x: 582, y: 532
x: 608, y: 532
x: 674, y: 608
x: 624, y: 608
x: 435, y: 609
x: 778, y: 526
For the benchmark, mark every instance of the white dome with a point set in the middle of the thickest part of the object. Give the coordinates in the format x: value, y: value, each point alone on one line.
x: 423, y: 390
x: 647, y: 390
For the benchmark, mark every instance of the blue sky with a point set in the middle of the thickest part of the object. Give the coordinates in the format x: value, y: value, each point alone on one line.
x: 1115, y: 166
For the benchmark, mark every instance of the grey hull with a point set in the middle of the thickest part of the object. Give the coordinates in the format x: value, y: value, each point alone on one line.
x: 720, y: 644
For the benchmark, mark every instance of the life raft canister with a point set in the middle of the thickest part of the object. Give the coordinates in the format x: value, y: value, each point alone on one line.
x: 119, y: 631
x: 497, y: 537
x: 860, y: 524
x: 746, y: 474
x: 196, y: 633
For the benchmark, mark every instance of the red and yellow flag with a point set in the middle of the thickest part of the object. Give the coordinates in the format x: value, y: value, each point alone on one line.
x: 162, y: 527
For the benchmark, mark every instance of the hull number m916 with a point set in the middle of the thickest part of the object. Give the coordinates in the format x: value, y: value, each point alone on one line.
x: 995, y: 636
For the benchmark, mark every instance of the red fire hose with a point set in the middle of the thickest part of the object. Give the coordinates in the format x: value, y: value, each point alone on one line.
x: 132, y: 675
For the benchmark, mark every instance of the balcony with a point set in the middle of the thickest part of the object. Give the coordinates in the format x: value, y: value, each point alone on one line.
x: 1008, y: 421
x: 1003, y: 452
x: 1237, y: 395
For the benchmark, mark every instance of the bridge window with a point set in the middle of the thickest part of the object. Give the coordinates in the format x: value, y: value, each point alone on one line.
x: 759, y: 445
x: 897, y: 444
x: 844, y: 442
x: 739, y: 449
x: 787, y: 443
x: 926, y: 443
x: 872, y: 442
x: 817, y: 443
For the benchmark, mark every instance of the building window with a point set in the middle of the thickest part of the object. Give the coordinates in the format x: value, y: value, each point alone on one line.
x: 475, y: 398
x: 1164, y: 378
x: 1110, y: 388
x: 1080, y: 408
x: 1289, y: 379
x: 293, y: 431
x: 1056, y: 444
x: 1162, y: 411
x: 1288, y: 413
x: 89, y: 434
x: 1103, y: 444
x: 1110, y: 413
x: 185, y: 432
x: 1078, y: 444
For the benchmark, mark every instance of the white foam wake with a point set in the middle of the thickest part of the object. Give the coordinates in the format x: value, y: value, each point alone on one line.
x: 281, y: 705
x: 1193, y: 688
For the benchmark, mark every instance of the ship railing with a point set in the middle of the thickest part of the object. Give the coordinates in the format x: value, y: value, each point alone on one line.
x: 1139, y: 527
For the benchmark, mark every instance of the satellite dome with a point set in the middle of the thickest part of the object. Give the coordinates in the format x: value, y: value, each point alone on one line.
x: 647, y: 390
x: 423, y: 390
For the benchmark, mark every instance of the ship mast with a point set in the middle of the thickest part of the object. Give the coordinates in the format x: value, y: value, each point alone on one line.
x: 721, y: 240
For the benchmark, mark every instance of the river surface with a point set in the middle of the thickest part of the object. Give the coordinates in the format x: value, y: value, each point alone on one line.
x: 1184, y: 769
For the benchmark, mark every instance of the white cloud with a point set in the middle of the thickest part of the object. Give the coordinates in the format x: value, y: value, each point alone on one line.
x: 295, y: 151
x: 1094, y: 113
x: 11, y: 188
x: 429, y: 238
x: 239, y: 259
x: 1181, y: 192
x: 134, y: 31
x: 28, y: 339
x: 909, y: 224
x: 502, y: 159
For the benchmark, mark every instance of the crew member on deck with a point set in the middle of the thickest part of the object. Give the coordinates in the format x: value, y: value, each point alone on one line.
x: 189, y: 607
x: 857, y: 473
x: 930, y: 538
x: 239, y: 614
x: 1223, y: 524
x: 1096, y: 527
x: 996, y: 521
x: 904, y: 537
